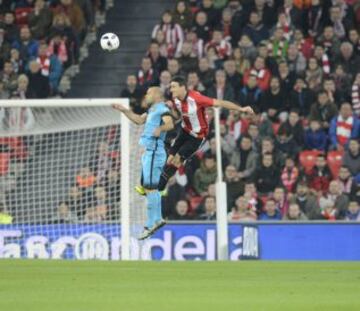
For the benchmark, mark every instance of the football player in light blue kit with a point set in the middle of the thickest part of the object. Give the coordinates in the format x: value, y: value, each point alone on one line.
x: 157, y: 121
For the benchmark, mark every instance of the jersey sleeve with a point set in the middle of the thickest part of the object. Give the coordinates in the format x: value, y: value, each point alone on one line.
x: 204, y: 101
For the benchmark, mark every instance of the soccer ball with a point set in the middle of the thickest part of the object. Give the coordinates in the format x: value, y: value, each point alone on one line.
x: 109, y: 41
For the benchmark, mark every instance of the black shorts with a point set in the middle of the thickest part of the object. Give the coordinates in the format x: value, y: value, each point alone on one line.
x: 185, y: 145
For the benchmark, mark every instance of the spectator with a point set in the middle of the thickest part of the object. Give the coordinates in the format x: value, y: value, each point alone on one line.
x: 221, y: 46
x: 342, y: 82
x: 175, y: 193
x: 242, y: 64
x: 76, y: 16
x: 306, y: 200
x: 188, y: 61
x: 232, y: 76
x: 201, y: 26
x: 351, y: 158
x: 255, y: 29
x: 11, y: 29
x: 344, y: 127
x: 174, y: 68
x: 250, y: 94
x: 165, y: 79
x: 266, y: 12
x: 40, y: 19
x: 27, y: 47
x: 294, y: 213
x: 294, y: 127
x: 295, y: 60
x: 205, y: 73
x: 320, y: 176
x: 85, y: 179
x: 181, y: 211
x: 346, y: 181
x: 174, y: 36
x: 281, y: 201
x: 9, y: 77
x: 64, y: 215
x: 210, y: 209
x: 286, y: 144
x: 242, y: 211
x: 235, y: 186
x: 57, y: 47
x: 197, y: 44
x: 278, y: 44
x: 267, y: 146
x: 287, y: 79
x: 182, y: 15
x: 270, y: 213
x: 160, y: 39
x: 323, y: 110
x: 134, y: 93
x: 262, y: 74
x: 245, y: 159
x: 273, y: 101
x: 315, y: 137
x: 267, y: 175
x: 301, y: 97
x: 159, y: 63
x: 194, y: 83
x: 330, y: 42
x: 290, y: 174
x: 205, y: 175
x: 239, y: 18
x: 101, y: 162
x: 16, y: 62
x: 146, y: 75
x: 38, y: 83
x: 314, y: 74
x: 339, y: 201
x: 247, y: 47
x: 252, y: 195
x: 348, y: 59
x: 212, y: 13
x: 225, y: 23
x: 353, y: 212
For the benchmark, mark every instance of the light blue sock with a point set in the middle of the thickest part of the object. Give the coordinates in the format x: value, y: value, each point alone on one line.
x: 157, y: 210
x: 152, y: 202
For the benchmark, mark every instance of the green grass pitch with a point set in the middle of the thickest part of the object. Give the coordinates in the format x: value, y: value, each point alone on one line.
x: 174, y: 286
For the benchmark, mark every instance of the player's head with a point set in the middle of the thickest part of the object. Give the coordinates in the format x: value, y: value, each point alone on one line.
x: 153, y: 95
x: 178, y: 87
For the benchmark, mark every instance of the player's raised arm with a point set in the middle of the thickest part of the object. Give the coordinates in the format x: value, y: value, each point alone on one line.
x: 136, y: 118
x: 232, y: 106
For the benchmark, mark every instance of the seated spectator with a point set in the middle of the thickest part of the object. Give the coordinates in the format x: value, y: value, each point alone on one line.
x: 210, y: 209
x: 344, y: 127
x: 301, y: 97
x: 23, y: 91
x: 221, y: 46
x: 205, y: 175
x: 254, y: 133
x: 134, y: 93
x: 146, y: 75
x: 351, y: 157
x: 182, y: 15
x: 174, y: 68
x: 165, y: 79
x: 38, y: 83
x: 234, y: 185
x: 10, y: 27
x: 270, y: 211
x: 266, y: 176
x: 320, y: 175
x: 306, y: 200
x: 290, y: 174
x: 212, y: 13
x: 278, y: 44
x: 5, y: 217
x: 242, y: 63
x: 245, y: 159
x: 294, y: 213
x: 329, y: 41
x: 315, y: 137
x: 268, y: 146
x: 57, y: 47
x: 287, y: 78
x: 242, y: 211
x: 182, y: 210
x: 255, y: 29
x: 175, y: 193
x: 40, y: 19
x: 286, y: 144
x: 314, y: 74
x: 250, y: 94
x: 247, y: 47
x: 85, y: 179
x: 50, y: 66
x: 201, y: 26
x: 334, y: 95
x: 348, y: 59
x: 17, y: 63
x: 9, y: 77
x: 252, y: 195
x: 174, y: 36
x: 159, y: 63
x: 322, y: 59
x: 161, y: 41
x: 225, y: 23
x: 197, y: 44
x: 239, y: 19
x: 295, y: 60
x: 187, y: 60
x: 205, y: 73
x: 339, y: 202
x: 262, y: 74
x: 194, y: 83
x: 294, y: 127
x: 352, y: 213
x: 355, y: 95
x: 232, y: 76
x: 27, y: 46
x: 274, y: 100
x: 346, y: 181
x: 323, y: 110
x: 64, y: 215
x: 343, y: 82
x: 76, y: 16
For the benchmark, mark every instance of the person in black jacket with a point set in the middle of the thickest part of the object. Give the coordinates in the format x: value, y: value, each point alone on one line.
x: 267, y: 176
x: 38, y: 83
x: 293, y: 126
x: 301, y: 98
x: 134, y: 93
x: 250, y: 94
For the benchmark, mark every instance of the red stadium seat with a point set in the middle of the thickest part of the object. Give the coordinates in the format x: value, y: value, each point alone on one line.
x: 334, y: 160
x: 21, y: 16
x: 4, y: 163
x: 308, y: 158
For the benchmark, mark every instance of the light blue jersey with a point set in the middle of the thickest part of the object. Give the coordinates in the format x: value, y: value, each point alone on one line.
x: 153, y: 121
x: 154, y: 157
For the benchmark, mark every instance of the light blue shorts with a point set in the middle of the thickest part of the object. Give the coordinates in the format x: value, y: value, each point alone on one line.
x: 152, y: 165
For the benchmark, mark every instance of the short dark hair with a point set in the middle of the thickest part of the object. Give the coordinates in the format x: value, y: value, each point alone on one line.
x: 180, y: 80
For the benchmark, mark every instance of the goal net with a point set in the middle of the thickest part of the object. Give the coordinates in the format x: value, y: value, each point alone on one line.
x: 67, y: 173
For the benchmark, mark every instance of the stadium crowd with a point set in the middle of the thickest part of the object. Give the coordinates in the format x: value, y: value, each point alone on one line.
x: 297, y: 64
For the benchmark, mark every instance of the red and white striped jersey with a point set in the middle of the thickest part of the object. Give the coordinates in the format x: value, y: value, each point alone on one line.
x: 192, y: 109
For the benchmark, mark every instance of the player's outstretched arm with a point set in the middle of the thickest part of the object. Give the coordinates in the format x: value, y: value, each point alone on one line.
x: 136, y: 118
x: 231, y: 106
